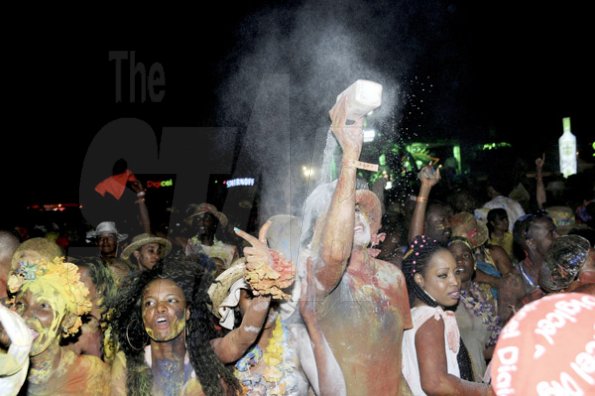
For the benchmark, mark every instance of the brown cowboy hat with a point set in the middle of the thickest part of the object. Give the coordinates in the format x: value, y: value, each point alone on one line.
x: 143, y: 239
x: 207, y: 208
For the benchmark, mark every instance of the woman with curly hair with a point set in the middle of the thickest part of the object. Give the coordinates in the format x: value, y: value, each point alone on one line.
x: 167, y: 336
x: 435, y: 360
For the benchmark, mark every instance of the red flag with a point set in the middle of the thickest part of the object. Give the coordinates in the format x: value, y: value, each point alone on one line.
x: 116, y: 184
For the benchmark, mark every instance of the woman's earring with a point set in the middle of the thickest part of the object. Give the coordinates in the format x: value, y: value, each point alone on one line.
x: 145, y: 341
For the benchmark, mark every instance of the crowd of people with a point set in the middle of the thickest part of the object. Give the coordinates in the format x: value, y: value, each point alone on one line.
x: 331, y: 303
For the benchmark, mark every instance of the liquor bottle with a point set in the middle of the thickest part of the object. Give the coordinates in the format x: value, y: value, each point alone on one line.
x: 567, y: 149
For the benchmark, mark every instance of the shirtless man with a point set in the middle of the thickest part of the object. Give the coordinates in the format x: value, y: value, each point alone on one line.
x: 364, y: 305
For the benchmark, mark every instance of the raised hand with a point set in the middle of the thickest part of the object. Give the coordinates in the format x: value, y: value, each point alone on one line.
x: 259, y: 251
x: 267, y: 271
x: 429, y: 176
x: 350, y: 137
x: 539, y: 162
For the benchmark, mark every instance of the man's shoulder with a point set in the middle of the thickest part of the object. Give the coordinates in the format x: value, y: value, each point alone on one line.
x: 388, y: 267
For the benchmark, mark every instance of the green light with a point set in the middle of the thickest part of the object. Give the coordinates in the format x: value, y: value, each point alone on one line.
x: 382, y: 160
x: 456, y: 152
x: 566, y: 124
x: 333, y: 169
x: 493, y: 146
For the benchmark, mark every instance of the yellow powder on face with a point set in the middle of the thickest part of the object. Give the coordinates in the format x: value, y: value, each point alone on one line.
x: 45, y: 290
x: 149, y: 332
x: 42, y: 276
x: 178, y: 326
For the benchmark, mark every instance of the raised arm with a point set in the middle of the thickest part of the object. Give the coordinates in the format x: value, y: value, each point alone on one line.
x: 428, y: 178
x: 145, y: 221
x: 540, y: 196
x: 233, y: 346
x: 337, y: 235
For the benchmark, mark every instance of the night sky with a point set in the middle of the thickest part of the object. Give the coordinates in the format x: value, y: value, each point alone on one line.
x: 498, y: 71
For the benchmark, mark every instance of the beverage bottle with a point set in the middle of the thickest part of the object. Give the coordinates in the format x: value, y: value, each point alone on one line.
x: 567, y: 150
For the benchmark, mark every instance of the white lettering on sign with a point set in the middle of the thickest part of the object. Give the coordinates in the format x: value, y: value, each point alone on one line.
x: 243, y: 181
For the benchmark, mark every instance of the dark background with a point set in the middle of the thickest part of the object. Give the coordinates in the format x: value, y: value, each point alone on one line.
x: 500, y: 71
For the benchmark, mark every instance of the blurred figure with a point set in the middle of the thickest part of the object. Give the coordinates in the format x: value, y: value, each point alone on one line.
x: 496, y: 188
x: 498, y: 226
x: 476, y: 313
x: 563, y: 263
x: 204, y: 219
x: 14, y: 364
x: 8, y: 244
x: 108, y: 239
x: 430, y: 219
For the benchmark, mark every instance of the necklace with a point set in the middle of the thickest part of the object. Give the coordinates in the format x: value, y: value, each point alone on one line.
x: 481, y: 308
x: 275, y: 367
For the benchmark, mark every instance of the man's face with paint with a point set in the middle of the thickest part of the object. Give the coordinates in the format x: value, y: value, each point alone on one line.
x: 164, y: 310
x: 361, y: 230
x: 43, y: 312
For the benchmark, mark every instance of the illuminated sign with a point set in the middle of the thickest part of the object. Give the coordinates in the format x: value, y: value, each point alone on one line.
x: 493, y: 146
x: 160, y: 183
x: 242, y: 181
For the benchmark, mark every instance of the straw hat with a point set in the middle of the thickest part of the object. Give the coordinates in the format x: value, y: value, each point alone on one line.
x: 207, y: 208
x: 369, y: 204
x: 219, y: 289
x: 143, y: 239
x: 463, y: 224
x: 106, y: 227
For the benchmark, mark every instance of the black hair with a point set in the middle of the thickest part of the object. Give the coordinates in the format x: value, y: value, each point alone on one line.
x: 415, y: 261
x: 130, y: 332
x: 106, y: 289
x: 493, y: 215
x: 520, y: 231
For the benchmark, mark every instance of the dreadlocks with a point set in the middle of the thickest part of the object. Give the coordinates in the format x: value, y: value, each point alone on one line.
x: 130, y: 332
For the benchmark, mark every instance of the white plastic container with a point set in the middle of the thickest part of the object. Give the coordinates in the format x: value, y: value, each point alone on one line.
x: 363, y: 96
